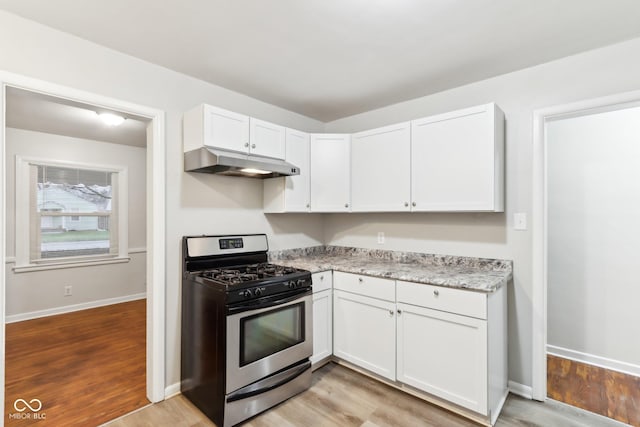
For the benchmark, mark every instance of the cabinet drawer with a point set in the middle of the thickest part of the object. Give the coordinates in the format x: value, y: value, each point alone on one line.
x: 322, y: 280
x: 374, y: 287
x: 466, y: 303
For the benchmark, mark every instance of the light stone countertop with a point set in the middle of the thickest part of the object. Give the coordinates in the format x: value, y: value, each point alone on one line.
x: 477, y: 274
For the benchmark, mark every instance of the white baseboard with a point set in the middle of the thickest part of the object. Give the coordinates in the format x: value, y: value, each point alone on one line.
x: 172, y: 390
x: 71, y: 308
x: 591, y: 359
x: 520, y: 390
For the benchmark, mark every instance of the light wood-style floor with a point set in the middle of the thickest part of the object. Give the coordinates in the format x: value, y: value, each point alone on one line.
x: 340, y: 397
x: 86, y: 367
x: 605, y: 392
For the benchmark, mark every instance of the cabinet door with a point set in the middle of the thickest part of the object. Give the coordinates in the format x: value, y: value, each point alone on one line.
x: 456, y: 161
x: 381, y: 169
x: 225, y: 129
x: 322, y: 325
x: 267, y: 139
x: 364, y: 332
x: 330, y: 187
x: 297, y: 187
x: 443, y: 354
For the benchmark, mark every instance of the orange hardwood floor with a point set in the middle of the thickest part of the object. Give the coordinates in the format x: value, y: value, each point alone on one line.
x: 86, y: 367
x: 605, y: 392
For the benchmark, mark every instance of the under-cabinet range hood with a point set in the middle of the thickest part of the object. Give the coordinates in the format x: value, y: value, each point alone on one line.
x: 222, y: 162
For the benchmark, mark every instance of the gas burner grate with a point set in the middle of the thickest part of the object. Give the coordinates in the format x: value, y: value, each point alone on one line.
x: 248, y: 273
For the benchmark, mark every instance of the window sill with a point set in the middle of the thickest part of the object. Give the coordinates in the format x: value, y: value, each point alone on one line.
x: 71, y: 264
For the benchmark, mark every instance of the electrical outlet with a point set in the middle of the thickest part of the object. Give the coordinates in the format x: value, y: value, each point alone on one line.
x: 68, y: 291
x: 520, y: 221
x: 380, y: 237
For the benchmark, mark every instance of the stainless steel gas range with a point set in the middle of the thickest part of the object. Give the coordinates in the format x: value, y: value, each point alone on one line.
x: 246, y: 327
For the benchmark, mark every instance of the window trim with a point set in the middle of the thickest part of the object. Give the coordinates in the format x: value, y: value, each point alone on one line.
x: 24, y: 235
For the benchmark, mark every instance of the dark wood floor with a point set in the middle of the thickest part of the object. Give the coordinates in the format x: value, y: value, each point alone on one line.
x: 605, y: 392
x: 86, y: 367
x: 340, y: 397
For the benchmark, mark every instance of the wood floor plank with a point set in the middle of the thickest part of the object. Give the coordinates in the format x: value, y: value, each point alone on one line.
x: 372, y: 404
x: 595, y: 389
x: 86, y: 367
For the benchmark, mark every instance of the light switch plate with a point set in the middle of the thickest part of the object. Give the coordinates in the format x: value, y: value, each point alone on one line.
x: 520, y: 221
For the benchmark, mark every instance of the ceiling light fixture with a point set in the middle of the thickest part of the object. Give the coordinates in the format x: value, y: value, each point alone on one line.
x: 111, y: 119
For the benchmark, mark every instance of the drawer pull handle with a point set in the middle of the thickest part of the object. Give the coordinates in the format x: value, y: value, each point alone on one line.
x: 321, y: 277
x: 399, y: 312
x: 436, y: 292
x: 390, y: 313
x: 360, y: 279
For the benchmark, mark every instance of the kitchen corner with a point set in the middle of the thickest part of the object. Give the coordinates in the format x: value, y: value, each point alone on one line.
x: 434, y: 326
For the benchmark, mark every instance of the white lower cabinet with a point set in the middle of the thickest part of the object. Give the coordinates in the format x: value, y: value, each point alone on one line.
x: 450, y: 343
x: 365, y: 332
x: 443, y: 354
x: 322, y: 317
x: 322, y: 326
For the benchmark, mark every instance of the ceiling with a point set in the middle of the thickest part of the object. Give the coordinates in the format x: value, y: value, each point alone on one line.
x: 43, y: 113
x: 329, y: 59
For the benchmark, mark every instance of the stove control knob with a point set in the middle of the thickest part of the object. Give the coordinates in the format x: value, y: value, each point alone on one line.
x: 257, y: 292
x: 292, y: 284
x: 300, y: 282
x: 247, y: 293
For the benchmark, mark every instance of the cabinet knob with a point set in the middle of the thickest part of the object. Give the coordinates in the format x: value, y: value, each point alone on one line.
x: 346, y: 205
x: 246, y: 144
x: 253, y: 145
x: 360, y: 279
x: 413, y: 204
x: 399, y: 312
x: 308, y: 205
x: 406, y: 204
x: 321, y: 277
x: 436, y: 292
x: 390, y: 313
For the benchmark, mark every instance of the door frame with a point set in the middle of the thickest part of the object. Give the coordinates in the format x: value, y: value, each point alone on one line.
x: 539, y: 219
x: 155, y: 204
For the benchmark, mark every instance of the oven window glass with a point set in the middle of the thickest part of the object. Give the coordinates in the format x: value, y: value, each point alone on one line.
x: 270, y: 332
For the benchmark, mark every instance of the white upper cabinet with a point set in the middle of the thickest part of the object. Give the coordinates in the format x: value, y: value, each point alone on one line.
x: 215, y: 127
x: 457, y: 161
x: 381, y: 169
x: 211, y: 126
x: 291, y: 193
x: 266, y: 139
x: 330, y: 173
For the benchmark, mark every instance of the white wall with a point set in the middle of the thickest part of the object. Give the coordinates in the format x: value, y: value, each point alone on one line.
x: 592, y: 74
x: 594, y: 234
x: 44, y: 290
x: 196, y: 203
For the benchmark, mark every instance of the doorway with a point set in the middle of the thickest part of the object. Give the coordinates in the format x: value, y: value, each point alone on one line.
x: 586, y: 200
x: 155, y: 222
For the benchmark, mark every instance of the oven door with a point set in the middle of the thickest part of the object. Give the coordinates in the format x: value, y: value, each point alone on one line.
x: 267, y: 336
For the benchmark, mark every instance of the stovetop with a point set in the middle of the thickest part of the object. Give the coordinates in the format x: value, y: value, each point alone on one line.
x: 237, y: 265
x: 247, y: 273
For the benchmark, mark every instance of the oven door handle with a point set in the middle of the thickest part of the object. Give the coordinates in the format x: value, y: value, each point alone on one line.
x: 266, y: 302
x: 269, y: 383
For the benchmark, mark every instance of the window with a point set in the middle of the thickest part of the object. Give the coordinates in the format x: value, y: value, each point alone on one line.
x: 76, y: 213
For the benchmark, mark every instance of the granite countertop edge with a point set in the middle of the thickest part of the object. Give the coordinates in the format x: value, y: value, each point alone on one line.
x: 474, y: 274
